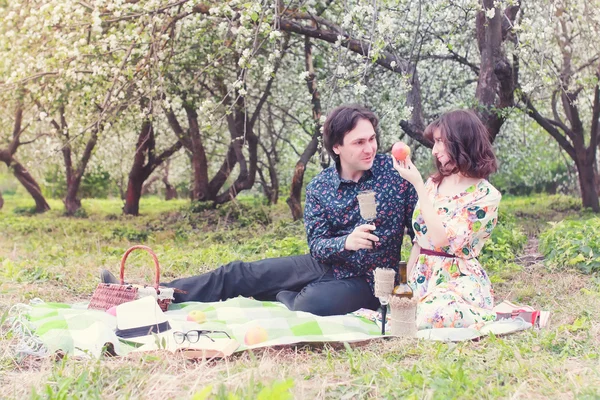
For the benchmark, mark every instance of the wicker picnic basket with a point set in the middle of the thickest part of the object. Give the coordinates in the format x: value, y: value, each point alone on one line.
x: 108, y: 295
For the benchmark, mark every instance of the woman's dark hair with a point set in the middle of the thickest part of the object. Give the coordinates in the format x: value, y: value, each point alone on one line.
x: 467, y: 142
x: 342, y: 120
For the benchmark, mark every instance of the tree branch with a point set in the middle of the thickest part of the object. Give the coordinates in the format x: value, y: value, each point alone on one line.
x: 167, y: 153
x: 595, y: 115
x: 557, y: 120
x: 267, y: 90
x: 14, y: 145
x: 177, y: 129
x: 358, y: 46
x: 510, y: 14
x: 453, y: 56
x: 415, y: 133
x: 547, y: 125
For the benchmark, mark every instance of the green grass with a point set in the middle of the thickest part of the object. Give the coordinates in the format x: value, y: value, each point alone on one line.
x: 57, y: 259
x: 573, y: 243
x: 534, y: 212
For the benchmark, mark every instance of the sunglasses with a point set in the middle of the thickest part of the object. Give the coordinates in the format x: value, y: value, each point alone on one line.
x: 194, y: 335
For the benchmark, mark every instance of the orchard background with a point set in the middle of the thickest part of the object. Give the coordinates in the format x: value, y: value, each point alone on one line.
x: 193, y: 126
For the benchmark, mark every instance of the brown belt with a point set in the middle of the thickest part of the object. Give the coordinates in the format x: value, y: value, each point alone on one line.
x: 436, y: 253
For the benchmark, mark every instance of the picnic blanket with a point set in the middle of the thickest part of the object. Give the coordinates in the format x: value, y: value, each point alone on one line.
x: 45, y: 328
x: 73, y: 329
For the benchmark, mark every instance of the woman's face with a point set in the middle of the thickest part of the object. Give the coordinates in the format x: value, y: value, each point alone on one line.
x: 439, y: 148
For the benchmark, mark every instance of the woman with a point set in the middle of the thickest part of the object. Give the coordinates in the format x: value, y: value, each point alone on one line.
x: 455, y: 215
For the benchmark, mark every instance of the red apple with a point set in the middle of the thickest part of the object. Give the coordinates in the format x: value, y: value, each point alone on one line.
x: 400, y: 151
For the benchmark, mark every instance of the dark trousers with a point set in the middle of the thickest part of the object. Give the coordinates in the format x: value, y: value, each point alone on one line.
x: 299, y: 282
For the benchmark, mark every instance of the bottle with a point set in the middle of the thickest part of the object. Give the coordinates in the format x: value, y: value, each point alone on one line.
x: 403, y: 290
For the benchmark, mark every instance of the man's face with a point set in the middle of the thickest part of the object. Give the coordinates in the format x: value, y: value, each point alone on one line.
x: 358, y: 149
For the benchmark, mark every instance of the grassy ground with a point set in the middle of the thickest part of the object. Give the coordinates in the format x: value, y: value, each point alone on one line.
x: 57, y: 259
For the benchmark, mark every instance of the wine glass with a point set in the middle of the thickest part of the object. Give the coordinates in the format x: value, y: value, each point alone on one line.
x: 367, y: 205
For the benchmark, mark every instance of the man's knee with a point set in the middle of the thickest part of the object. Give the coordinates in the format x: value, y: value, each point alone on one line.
x: 314, y: 306
x: 336, y: 297
x: 317, y: 299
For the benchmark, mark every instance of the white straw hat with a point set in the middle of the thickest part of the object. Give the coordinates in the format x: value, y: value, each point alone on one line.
x: 142, y: 321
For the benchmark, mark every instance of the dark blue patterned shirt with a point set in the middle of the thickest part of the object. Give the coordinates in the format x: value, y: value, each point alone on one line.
x: 331, y: 213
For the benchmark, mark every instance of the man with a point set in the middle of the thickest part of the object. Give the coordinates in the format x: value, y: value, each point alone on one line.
x: 337, y: 276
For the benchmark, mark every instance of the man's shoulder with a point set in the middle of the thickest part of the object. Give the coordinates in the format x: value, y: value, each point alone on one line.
x: 383, y: 168
x: 324, y: 178
x: 383, y: 159
x: 382, y: 163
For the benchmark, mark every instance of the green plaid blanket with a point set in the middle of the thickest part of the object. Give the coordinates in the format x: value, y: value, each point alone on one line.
x: 75, y: 330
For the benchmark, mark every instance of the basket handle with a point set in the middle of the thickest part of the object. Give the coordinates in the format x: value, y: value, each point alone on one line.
x: 156, y: 264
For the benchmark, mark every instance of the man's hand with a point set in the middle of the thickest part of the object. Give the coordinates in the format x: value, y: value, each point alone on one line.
x: 361, y: 238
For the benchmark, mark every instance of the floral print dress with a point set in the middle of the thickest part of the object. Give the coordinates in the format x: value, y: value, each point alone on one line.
x: 455, y: 292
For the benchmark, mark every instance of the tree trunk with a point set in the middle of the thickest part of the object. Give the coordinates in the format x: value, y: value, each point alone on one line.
x: 219, y: 179
x: 74, y: 176
x: 139, y: 173
x: 298, y: 179
x: 148, y: 184
x: 200, y: 190
x: 71, y: 201
x: 497, y: 77
x: 170, y: 191
x: 296, y: 188
x: 1, y: 201
x: 271, y: 191
x: 192, y: 141
x: 199, y: 162
x: 134, y: 193
x: 587, y: 184
x: 597, y: 177
x: 584, y: 157
x: 25, y: 178
x: 22, y: 175
x: 144, y: 163
x: 240, y: 127
x: 274, y: 197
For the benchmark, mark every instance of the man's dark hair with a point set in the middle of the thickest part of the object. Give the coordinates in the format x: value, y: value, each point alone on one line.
x: 342, y: 120
x: 467, y: 142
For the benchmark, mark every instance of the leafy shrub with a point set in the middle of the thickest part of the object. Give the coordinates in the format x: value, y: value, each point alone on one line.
x: 24, y: 210
x: 573, y: 243
x: 8, y: 183
x: 55, y: 183
x: 562, y: 203
x: 523, y: 171
x: 199, y: 206
x: 133, y: 235
x: 94, y: 184
x: 80, y: 213
x: 244, y: 214
x: 500, y: 250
